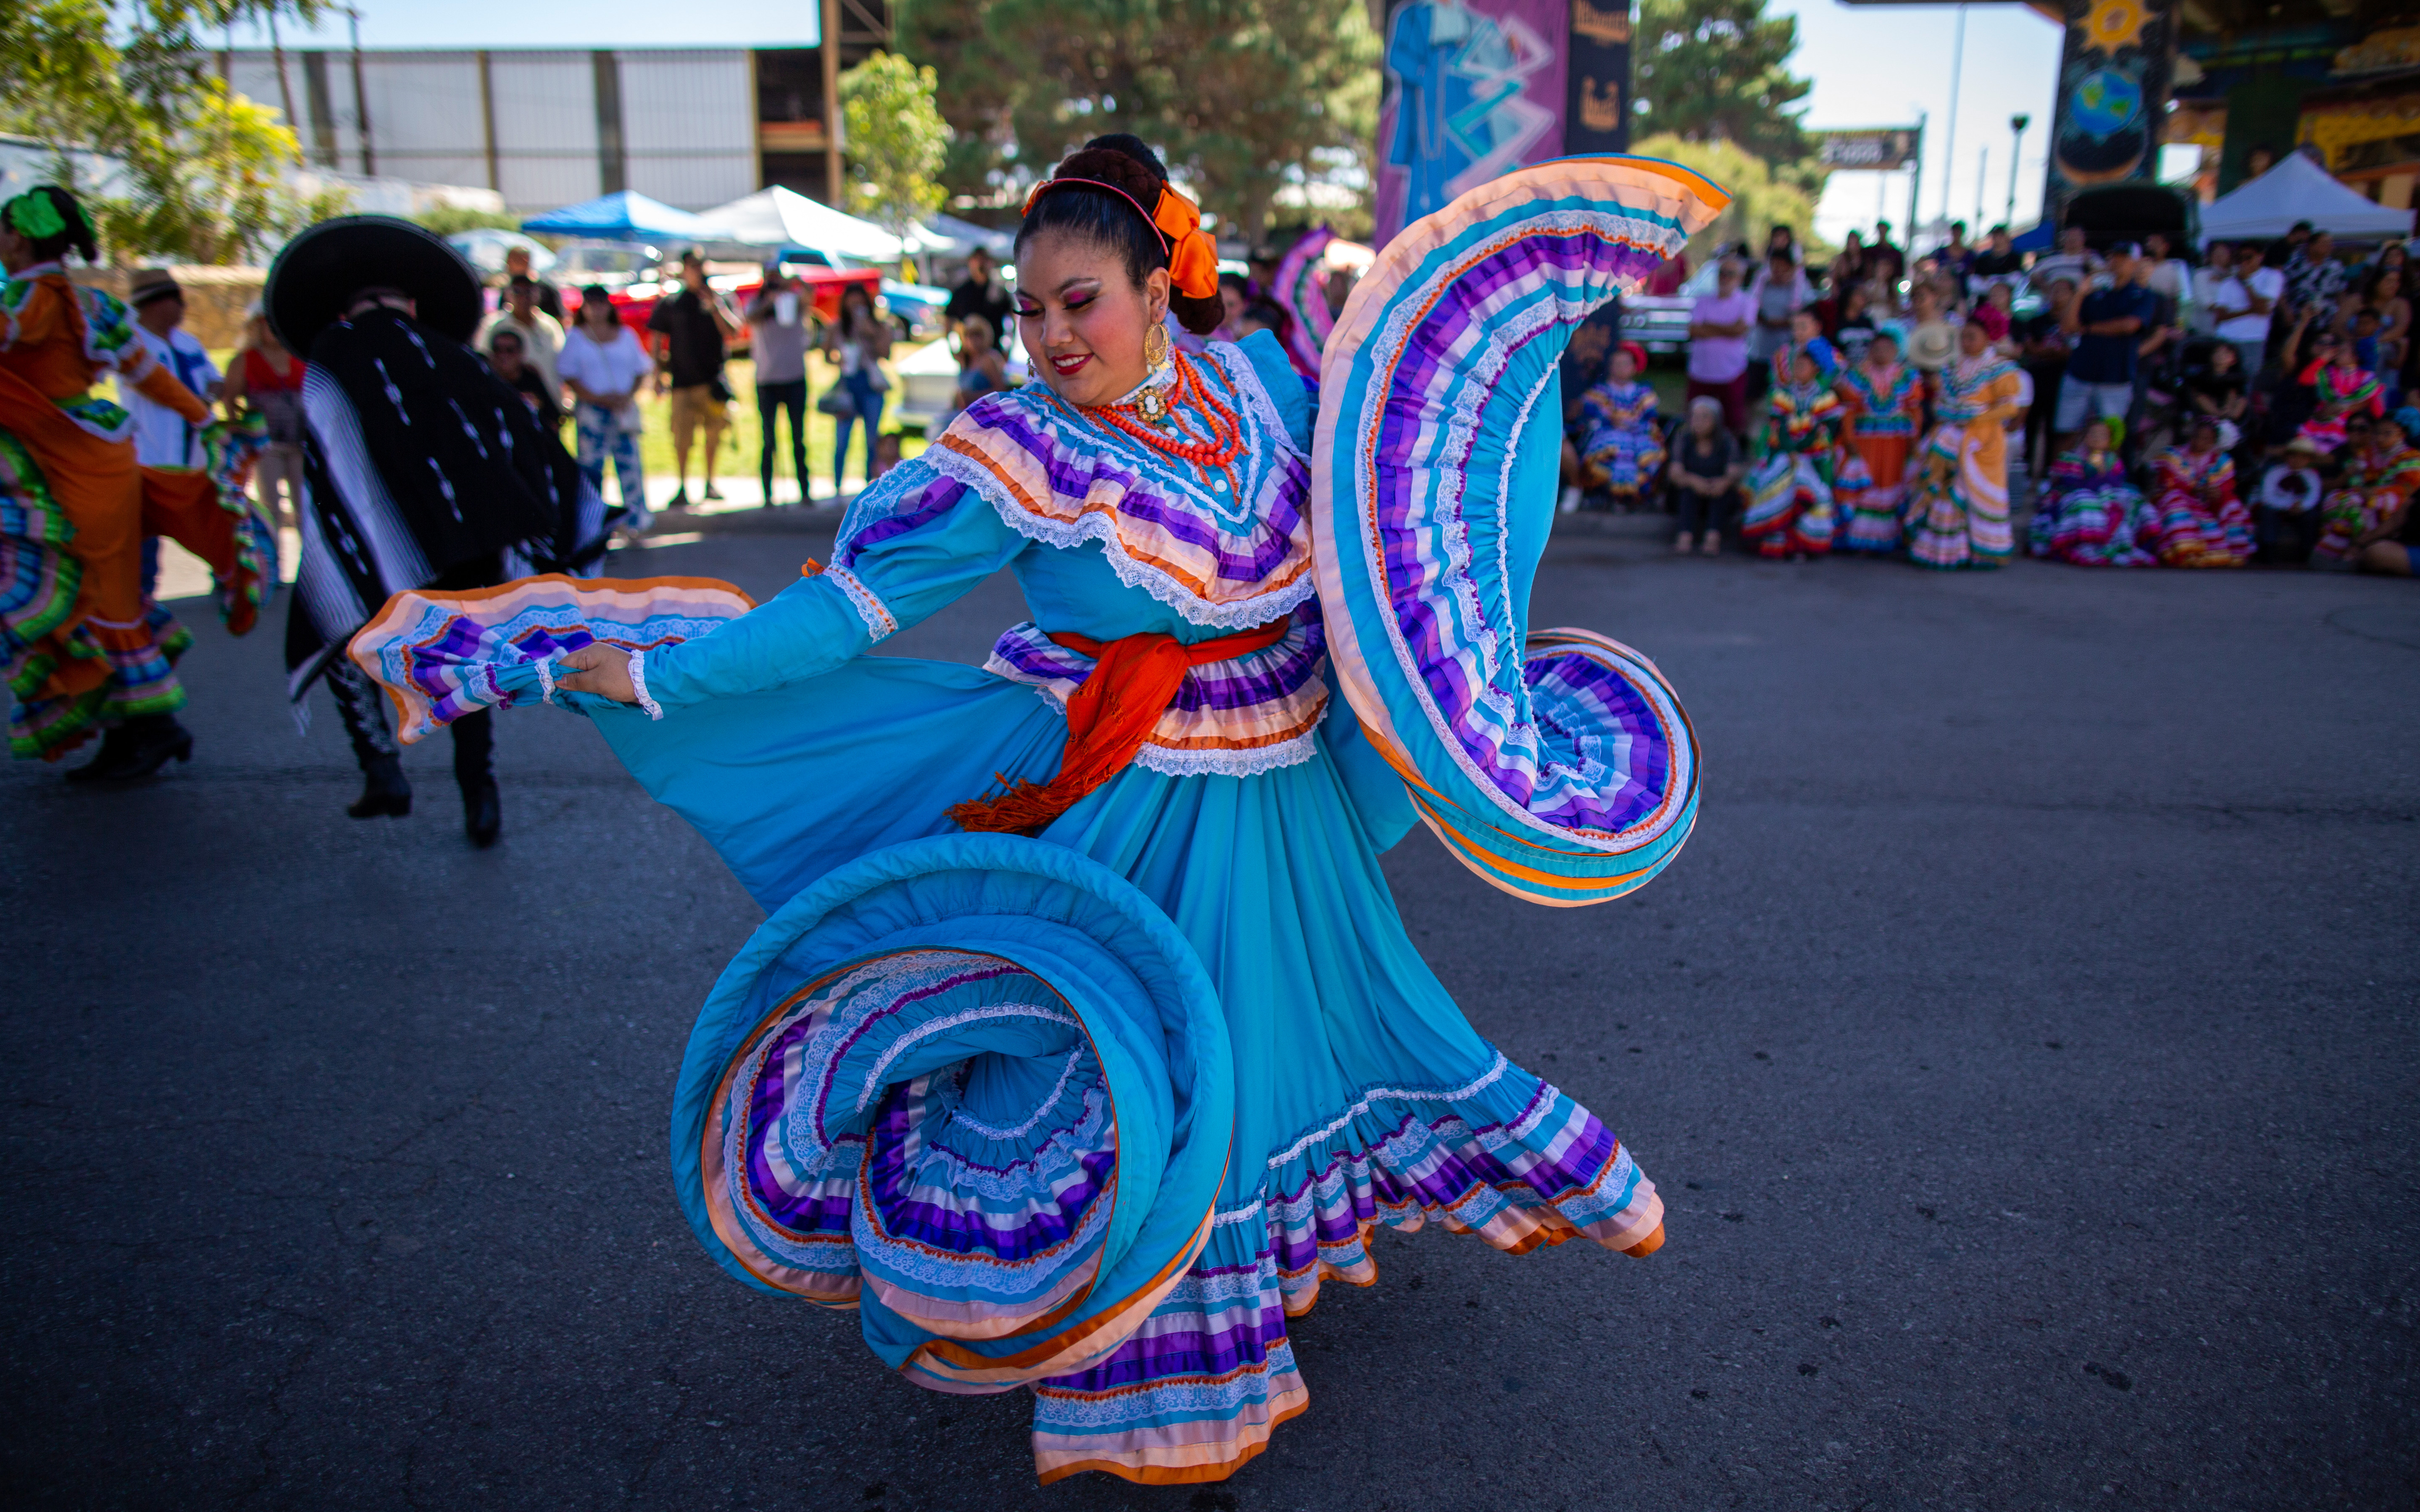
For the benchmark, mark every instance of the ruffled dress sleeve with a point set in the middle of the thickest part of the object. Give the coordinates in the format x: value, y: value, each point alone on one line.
x: 911, y: 545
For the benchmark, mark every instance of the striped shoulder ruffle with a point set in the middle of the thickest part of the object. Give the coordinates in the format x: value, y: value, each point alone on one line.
x: 1056, y: 477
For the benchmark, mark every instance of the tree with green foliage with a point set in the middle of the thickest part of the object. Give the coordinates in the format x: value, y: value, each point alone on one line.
x: 210, y: 172
x: 1240, y: 96
x: 895, y: 139
x: 1761, y: 198
x: 1717, y: 70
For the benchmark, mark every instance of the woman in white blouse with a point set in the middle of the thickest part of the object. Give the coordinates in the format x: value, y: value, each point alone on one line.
x: 602, y: 364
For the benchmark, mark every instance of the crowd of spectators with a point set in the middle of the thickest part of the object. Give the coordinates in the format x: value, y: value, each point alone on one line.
x: 2245, y: 404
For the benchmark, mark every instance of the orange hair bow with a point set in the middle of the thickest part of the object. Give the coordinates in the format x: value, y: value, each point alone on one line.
x: 1192, y: 258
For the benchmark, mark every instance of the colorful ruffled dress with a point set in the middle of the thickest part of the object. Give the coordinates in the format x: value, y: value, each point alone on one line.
x: 2091, y: 514
x: 1095, y: 1110
x: 1884, y: 416
x: 1789, y: 492
x: 1300, y: 289
x: 2338, y: 393
x: 1959, y: 516
x: 84, y: 646
x: 1623, y: 433
x: 2202, y: 524
x: 2372, y: 491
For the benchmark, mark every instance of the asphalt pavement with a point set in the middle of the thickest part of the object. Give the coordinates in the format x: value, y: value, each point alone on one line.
x: 2025, y: 1045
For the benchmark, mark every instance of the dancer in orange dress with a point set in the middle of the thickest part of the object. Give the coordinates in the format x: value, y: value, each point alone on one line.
x: 85, y: 648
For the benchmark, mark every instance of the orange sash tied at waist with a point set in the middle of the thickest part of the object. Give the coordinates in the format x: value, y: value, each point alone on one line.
x: 1134, y: 680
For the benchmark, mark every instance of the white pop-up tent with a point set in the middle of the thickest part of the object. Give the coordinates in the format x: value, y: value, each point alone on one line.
x: 2298, y: 189
x: 779, y: 217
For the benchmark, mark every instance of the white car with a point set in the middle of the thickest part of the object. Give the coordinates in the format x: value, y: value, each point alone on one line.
x: 928, y: 384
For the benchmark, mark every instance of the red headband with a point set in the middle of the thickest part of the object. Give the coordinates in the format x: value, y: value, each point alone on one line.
x: 1193, y: 260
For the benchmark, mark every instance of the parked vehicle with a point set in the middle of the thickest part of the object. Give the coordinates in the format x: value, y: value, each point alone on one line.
x: 1660, y: 322
x: 635, y: 301
x: 928, y: 385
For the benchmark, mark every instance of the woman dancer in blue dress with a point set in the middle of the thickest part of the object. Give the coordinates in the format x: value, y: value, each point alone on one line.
x: 1084, y: 1041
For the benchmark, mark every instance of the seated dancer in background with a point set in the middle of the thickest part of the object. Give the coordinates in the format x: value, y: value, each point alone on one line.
x: 2287, y: 516
x: 1082, y: 1044
x: 1622, y: 436
x: 2202, y: 524
x: 2090, y: 513
x: 423, y: 470
x: 1960, y: 513
x: 1790, y: 493
x: 2371, y: 504
x: 1883, y: 399
x: 85, y: 647
x: 2339, y: 386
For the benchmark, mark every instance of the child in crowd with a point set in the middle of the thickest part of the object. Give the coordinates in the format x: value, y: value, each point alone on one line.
x: 2340, y: 387
x: 1704, y: 478
x: 2091, y: 513
x: 2202, y: 524
x: 1790, y: 494
x: 1623, y: 435
x: 2287, y: 504
x: 2218, y: 390
x: 2372, y: 501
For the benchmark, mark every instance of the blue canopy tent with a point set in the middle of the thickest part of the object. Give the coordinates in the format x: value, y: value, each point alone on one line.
x: 627, y: 216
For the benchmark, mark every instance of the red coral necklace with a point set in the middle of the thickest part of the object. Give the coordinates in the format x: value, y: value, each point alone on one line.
x: 1217, y: 453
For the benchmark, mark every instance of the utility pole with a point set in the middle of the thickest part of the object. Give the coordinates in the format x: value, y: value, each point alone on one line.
x: 1950, y: 133
x: 833, y: 116
x: 1915, y: 187
x: 285, y: 84
x: 2017, y: 125
x: 360, y: 97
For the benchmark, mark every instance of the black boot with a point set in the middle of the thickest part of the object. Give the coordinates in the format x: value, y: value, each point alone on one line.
x: 384, y: 789
x: 135, y: 749
x: 483, y: 814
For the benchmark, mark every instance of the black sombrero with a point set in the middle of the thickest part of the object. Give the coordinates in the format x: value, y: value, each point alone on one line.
x: 316, y: 277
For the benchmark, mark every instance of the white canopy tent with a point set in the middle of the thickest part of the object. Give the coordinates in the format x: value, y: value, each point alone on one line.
x: 782, y: 218
x: 2298, y: 189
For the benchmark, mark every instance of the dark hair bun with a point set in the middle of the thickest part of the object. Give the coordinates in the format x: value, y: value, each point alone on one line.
x: 1128, y: 164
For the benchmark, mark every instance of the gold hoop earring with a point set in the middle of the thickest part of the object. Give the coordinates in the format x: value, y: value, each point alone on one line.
x: 1155, y: 346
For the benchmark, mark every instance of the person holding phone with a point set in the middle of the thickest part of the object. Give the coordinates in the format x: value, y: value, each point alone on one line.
x: 781, y: 328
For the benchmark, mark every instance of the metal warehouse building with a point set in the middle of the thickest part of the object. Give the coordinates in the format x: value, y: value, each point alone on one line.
x: 693, y: 128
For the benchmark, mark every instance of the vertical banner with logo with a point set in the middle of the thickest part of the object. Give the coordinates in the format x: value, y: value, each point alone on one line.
x: 1474, y: 88
x: 1597, y: 118
x: 2113, y: 97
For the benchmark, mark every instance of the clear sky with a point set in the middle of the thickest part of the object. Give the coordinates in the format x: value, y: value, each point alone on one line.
x: 1880, y: 65
x: 1871, y: 65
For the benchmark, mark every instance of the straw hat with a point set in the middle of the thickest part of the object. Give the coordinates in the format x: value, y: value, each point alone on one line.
x: 148, y: 284
x: 315, y: 279
x: 1932, y: 344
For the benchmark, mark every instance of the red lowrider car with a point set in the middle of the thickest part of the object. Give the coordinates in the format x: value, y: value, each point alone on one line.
x: 740, y: 284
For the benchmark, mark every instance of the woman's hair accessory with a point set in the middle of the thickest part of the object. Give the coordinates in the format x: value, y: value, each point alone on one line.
x: 1820, y: 353
x: 1192, y: 259
x: 1636, y: 354
x: 2409, y: 418
x: 35, y: 214
x: 1992, y: 320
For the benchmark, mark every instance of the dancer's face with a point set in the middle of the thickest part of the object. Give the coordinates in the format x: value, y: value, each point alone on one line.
x: 1076, y: 307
